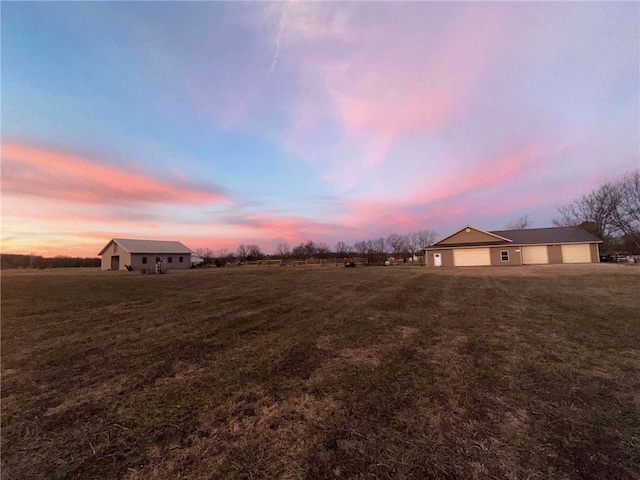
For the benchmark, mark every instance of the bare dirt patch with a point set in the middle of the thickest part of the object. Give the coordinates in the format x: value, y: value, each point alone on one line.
x: 182, y: 372
x: 361, y: 356
x: 408, y: 332
x: 325, y: 342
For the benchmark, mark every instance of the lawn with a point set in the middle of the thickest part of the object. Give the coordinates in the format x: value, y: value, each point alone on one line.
x: 267, y: 372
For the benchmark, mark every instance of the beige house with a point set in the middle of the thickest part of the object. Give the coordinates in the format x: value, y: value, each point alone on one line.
x: 471, y: 246
x: 144, y: 254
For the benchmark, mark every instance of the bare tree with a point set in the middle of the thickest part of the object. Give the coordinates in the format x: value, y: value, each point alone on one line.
x: 322, y: 249
x: 309, y: 249
x: 298, y: 251
x: 222, y: 256
x: 342, y: 249
x: 254, y: 252
x: 361, y: 247
x: 283, y: 250
x: 611, y: 212
x: 626, y: 217
x: 426, y: 238
x: 242, y: 252
x: 371, y: 249
x: 412, y: 241
x: 206, y: 254
x: 379, y: 249
x: 519, y: 224
x: 397, y: 244
x: 594, y: 212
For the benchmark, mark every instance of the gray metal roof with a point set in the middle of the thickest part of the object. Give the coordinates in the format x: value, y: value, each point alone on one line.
x: 531, y: 236
x: 534, y: 236
x: 148, y: 246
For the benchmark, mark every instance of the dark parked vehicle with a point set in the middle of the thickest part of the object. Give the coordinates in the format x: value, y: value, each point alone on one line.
x: 350, y: 264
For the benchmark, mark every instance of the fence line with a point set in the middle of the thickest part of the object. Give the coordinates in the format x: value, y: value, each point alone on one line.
x: 296, y: 262
x: 318, y: 262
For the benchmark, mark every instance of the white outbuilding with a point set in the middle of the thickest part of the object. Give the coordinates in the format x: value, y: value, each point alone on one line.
x: 125, y: 253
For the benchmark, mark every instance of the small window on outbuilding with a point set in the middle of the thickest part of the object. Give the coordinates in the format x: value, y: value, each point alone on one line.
x: 180, y: 259
x: 169, y: 259
x: 144, y: 260
x: 115, y: 248
x: 504, y: 255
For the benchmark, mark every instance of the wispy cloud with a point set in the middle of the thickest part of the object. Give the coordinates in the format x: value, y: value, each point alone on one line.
x: 281, y: 26
x: 379, y: 84
x: 35, y: 171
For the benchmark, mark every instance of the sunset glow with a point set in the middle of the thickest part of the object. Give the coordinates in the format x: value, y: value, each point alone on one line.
x: 220, y: 123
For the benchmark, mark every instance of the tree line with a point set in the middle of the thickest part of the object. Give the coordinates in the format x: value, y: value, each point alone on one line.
x: 8, y: 261
x: 374, y: 250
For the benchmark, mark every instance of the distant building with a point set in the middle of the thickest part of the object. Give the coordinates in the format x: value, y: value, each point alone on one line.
x: 144, y: 254
x: 196, y: 261
x: 470, y: 246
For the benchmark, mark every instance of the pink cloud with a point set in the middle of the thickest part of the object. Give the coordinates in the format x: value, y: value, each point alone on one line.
x: 381, y: 83
x: 408, y: 204
x: 291, y: 229
x: 483, y: 173
x: 35, y: 171
x: 18, y: 212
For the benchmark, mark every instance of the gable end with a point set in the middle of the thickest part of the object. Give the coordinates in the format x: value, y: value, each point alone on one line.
x: 471, y: 236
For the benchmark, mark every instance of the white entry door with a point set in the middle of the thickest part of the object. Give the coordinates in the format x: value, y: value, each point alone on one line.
x: 437, y: 260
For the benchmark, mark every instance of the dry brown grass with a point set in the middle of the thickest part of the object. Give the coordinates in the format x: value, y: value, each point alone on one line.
x: 523, y: 373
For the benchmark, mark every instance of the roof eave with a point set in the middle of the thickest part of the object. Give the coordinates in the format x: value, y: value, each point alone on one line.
x: 106, y: 246
x: 513, y: 244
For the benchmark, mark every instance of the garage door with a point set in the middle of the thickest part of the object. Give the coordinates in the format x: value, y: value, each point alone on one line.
x: 535, y: 255
x: 576, y: 253
x: 471, y: 257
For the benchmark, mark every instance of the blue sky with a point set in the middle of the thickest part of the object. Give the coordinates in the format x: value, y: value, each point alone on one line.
x: 225, y: 123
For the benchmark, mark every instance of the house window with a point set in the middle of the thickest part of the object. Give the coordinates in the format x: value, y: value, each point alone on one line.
x: 180, y: 259
x: 115, y: 248
x: 504, y: 255
x: 170, y: 260
x: 157, y: 259
x: 144, y: 260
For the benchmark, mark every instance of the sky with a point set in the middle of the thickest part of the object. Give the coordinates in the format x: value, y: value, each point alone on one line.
x: 220, y: 123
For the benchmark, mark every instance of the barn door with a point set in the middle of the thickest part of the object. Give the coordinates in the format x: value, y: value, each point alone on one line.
x: 115, y: 262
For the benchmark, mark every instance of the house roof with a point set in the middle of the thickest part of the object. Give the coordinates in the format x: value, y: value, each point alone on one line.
x: 548, y: 235
x: 530, y: 236
x: 148, y: 246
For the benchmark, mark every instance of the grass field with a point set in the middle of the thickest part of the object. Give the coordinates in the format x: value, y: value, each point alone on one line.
x: 390, y: 373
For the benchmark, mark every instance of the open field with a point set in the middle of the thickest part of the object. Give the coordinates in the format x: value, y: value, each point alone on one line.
x: 390, y: 373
